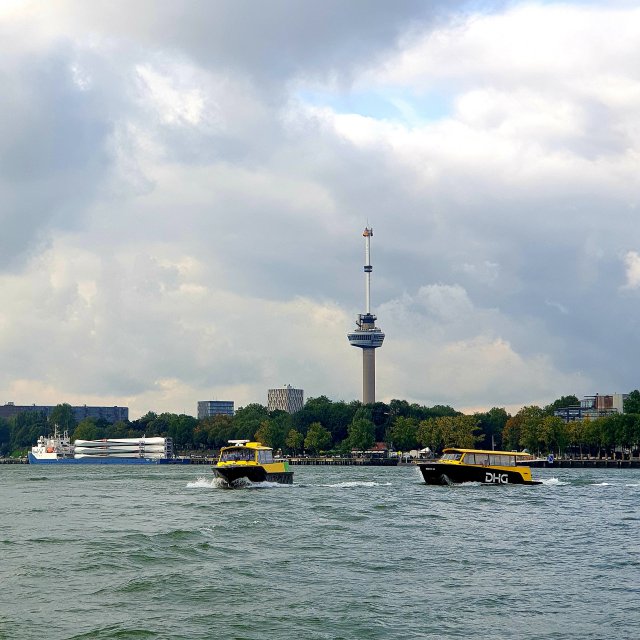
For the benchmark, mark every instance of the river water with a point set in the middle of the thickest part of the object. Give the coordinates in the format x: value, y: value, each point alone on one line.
x: 344, y: 552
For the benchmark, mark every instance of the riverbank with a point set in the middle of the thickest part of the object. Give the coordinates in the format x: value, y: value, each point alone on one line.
x: 587, y: 463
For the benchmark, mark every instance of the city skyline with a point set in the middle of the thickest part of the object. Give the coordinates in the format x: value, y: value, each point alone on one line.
x: 183, y: 197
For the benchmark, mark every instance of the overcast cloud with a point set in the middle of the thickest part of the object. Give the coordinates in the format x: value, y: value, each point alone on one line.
x: 184, y: 187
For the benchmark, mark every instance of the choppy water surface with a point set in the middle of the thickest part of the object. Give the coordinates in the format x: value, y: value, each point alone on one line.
x: 348, y: 552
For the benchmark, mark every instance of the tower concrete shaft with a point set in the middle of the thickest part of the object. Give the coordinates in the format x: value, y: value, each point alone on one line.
x: 368, y: 376
x: 367, y: 336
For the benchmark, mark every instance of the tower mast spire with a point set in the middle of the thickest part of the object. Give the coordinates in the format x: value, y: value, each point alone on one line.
x: 367, y: 336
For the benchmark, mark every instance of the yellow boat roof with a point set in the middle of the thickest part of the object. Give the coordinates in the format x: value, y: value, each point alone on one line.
x: 520, y: 454
x: 247, y: 445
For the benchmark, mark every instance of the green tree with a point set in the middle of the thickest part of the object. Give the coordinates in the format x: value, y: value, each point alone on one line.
x: 531, y: 427
x: 248, y: 419
x: 62, y: 415
x: 631, y: 403
x: 25, y: 428
x: 5, y: 437
x: 361, y: 433
x: 214, y: 432
x: 560, y: 403
x: 512, y: 432
x: 118, y: 429
x: 555, y: 433
x: 448, y: 431
x: 273, y: 432
x: 294, y: 442
x: 491, y: 424
x: 576, y: 434
x: 181, y: 428
x: 86, y: 430
x: 403, y: 433
x: 318, y: 438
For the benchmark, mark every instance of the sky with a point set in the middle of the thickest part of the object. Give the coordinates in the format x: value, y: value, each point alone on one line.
x: 184, y: 186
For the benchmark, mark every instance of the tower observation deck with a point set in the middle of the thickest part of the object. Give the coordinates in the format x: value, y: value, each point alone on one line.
x: 367, y: 336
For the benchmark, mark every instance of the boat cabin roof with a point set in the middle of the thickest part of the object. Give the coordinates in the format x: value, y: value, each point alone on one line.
x: 519, y: 454
x: 247, y: 445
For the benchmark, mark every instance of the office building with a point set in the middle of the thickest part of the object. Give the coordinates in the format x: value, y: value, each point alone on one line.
x: 285, y: 399
x: 110, y: 414
x: 209, y: 408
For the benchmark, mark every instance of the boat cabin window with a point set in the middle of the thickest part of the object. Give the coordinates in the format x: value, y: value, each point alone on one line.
x: 265, y: 457
x: 236, y: 455
x: 451, y: 456
x: 493, y: 459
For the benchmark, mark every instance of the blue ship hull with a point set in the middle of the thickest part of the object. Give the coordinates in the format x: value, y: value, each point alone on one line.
x: 96, y: 460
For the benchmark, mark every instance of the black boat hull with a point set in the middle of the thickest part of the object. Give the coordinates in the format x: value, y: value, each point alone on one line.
x: 238, y: 475
x: 443, y: 474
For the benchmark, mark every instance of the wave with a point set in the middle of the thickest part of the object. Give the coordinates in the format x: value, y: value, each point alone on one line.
x: 219, y: 483
x: 203, y: 483
x: 554, y: 482
x: 356, y: 483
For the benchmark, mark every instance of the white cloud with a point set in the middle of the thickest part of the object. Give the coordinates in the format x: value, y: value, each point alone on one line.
x: 177, y: 225
x: 632, y: 263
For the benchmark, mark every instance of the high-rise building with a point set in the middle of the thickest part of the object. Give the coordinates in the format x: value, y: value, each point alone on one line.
x: 208, y: 408
x: 285, y: 399
x: 367, y: 336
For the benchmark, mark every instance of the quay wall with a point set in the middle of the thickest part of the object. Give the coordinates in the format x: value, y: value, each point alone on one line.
x: 586, y: 464
x: 346, y: 462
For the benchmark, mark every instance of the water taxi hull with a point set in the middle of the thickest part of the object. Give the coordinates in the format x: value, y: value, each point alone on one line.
x: 445, y: 473
x: 236, y: 475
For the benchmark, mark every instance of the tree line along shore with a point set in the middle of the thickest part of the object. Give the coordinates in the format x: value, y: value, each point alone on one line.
x: 324, y: 426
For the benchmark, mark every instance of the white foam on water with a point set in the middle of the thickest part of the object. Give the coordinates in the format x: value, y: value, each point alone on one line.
x: 266, y: 485
x: 355, y: 483
x: 553, y: 482
x: 601, y: 484
x: 204, y: 483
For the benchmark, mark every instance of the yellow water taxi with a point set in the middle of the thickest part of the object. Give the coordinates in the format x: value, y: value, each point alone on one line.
x: 477, y: 465
x: 244, y: 460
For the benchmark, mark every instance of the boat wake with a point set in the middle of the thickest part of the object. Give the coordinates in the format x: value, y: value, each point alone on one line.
x: 355, y: 483
x: 219, y: 483
x: 205, y: 483
x: 553, y: 482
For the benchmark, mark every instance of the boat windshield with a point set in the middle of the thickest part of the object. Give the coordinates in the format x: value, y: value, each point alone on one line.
x: 451, y: 456
x: 265, y: 456
x: 236, y: 455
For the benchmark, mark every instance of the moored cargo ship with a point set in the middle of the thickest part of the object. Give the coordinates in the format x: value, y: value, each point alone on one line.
x: 58, y: 449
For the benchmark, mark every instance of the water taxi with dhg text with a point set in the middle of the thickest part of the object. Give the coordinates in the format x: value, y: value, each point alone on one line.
x: 477, y: 465
x: 250, y: 461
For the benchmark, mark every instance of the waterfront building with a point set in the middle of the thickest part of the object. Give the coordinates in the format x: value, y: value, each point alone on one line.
x: 285, y: 399
x: 367, y: 336
x: 209, y: 408
x: 110, y: 414
x: 598, y: 406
